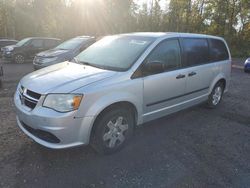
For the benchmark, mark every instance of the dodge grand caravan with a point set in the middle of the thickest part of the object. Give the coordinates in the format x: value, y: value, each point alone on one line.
x: 118, y: 83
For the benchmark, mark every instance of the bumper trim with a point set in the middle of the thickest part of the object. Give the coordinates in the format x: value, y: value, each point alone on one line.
x: 44, y: 143
x: 44, y: 135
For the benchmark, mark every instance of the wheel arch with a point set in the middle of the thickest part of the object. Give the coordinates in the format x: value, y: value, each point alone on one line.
x: 120, y: 104
x: 219, y: 78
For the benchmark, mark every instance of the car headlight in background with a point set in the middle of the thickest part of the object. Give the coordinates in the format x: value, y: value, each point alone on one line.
x: 63, y: 102
x: 9, y: 49
x: 247, y: 61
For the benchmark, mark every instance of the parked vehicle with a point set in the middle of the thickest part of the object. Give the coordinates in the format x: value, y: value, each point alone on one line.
x: 118, y: 83
x: 28, y: 48
x: 247, y: 65
x: 64, y: 52
x: 6, y: 42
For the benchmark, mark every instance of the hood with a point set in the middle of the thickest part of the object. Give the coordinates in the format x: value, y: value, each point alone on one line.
x: 52, y: 53
x: 8, y: 47
x: 63, y: 78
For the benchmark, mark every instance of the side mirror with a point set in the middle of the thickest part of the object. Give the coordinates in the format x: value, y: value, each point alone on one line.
x: 154, y: 67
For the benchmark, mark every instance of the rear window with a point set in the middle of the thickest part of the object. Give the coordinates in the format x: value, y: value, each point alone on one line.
x: 218, y: 50
x: 196, y: 51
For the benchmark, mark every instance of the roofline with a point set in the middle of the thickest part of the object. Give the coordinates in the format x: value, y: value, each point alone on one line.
x: 42, y: 38
x: 84, y: 36
x: 166, y: 34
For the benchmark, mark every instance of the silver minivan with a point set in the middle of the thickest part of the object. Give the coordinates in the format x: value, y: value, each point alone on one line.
x: 118, y: 83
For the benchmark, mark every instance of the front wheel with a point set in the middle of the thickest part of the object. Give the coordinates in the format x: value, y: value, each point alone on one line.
x: 112, y: 131
x: 216, y: 95
x: 19, y: 58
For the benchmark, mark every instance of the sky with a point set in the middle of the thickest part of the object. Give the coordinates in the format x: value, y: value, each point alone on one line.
x: 162, y: 2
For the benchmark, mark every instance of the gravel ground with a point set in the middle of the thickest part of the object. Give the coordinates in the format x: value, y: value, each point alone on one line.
x: 198, y: 147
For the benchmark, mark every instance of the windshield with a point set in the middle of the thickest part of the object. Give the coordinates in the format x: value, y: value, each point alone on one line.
x: 71, y: 44
x: 23, y: 42
x: 115, y: 52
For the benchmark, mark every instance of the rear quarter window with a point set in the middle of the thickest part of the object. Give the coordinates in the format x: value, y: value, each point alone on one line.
x: 50, y: 43
x: 196, y: 51
x: 218, y: 50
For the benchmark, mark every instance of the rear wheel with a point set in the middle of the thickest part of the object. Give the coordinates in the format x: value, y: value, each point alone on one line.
x: 216, y: 95
x: 19, y: 58
x: 112, y: 131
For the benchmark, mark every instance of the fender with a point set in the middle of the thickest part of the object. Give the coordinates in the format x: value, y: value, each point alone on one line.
x: 216, y: 79
x: 105, y: 101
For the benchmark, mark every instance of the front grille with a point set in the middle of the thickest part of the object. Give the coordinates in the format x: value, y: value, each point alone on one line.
x: 28, y: 98
x: 44, y: 135
x: 33, y: 94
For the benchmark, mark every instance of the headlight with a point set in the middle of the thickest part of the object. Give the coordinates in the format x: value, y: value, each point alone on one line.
x: 63, y: 102
x: 8, y: 49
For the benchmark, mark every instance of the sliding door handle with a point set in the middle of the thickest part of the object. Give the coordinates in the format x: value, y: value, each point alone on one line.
x: 180, y: 76
x: 192, y: 73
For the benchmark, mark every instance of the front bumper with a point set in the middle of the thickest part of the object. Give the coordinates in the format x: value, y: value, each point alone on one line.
x: 8, y: 56
x: 53, y: 129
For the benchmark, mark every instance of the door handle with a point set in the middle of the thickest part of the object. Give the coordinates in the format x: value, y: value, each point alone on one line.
x: 180, y: 76
x: 192, y: 74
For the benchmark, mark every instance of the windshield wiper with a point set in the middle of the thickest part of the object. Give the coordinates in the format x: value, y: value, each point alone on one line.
x: 90, y: 64
x: 99, y: 66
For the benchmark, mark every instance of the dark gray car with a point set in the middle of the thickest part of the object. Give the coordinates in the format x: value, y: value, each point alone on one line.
x: 64, y: 52
x: 27, y: 48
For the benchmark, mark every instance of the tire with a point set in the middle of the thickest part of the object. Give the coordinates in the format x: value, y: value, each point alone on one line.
x: 216, y: 95
x: 19, y: 58
x: 112, y: 131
